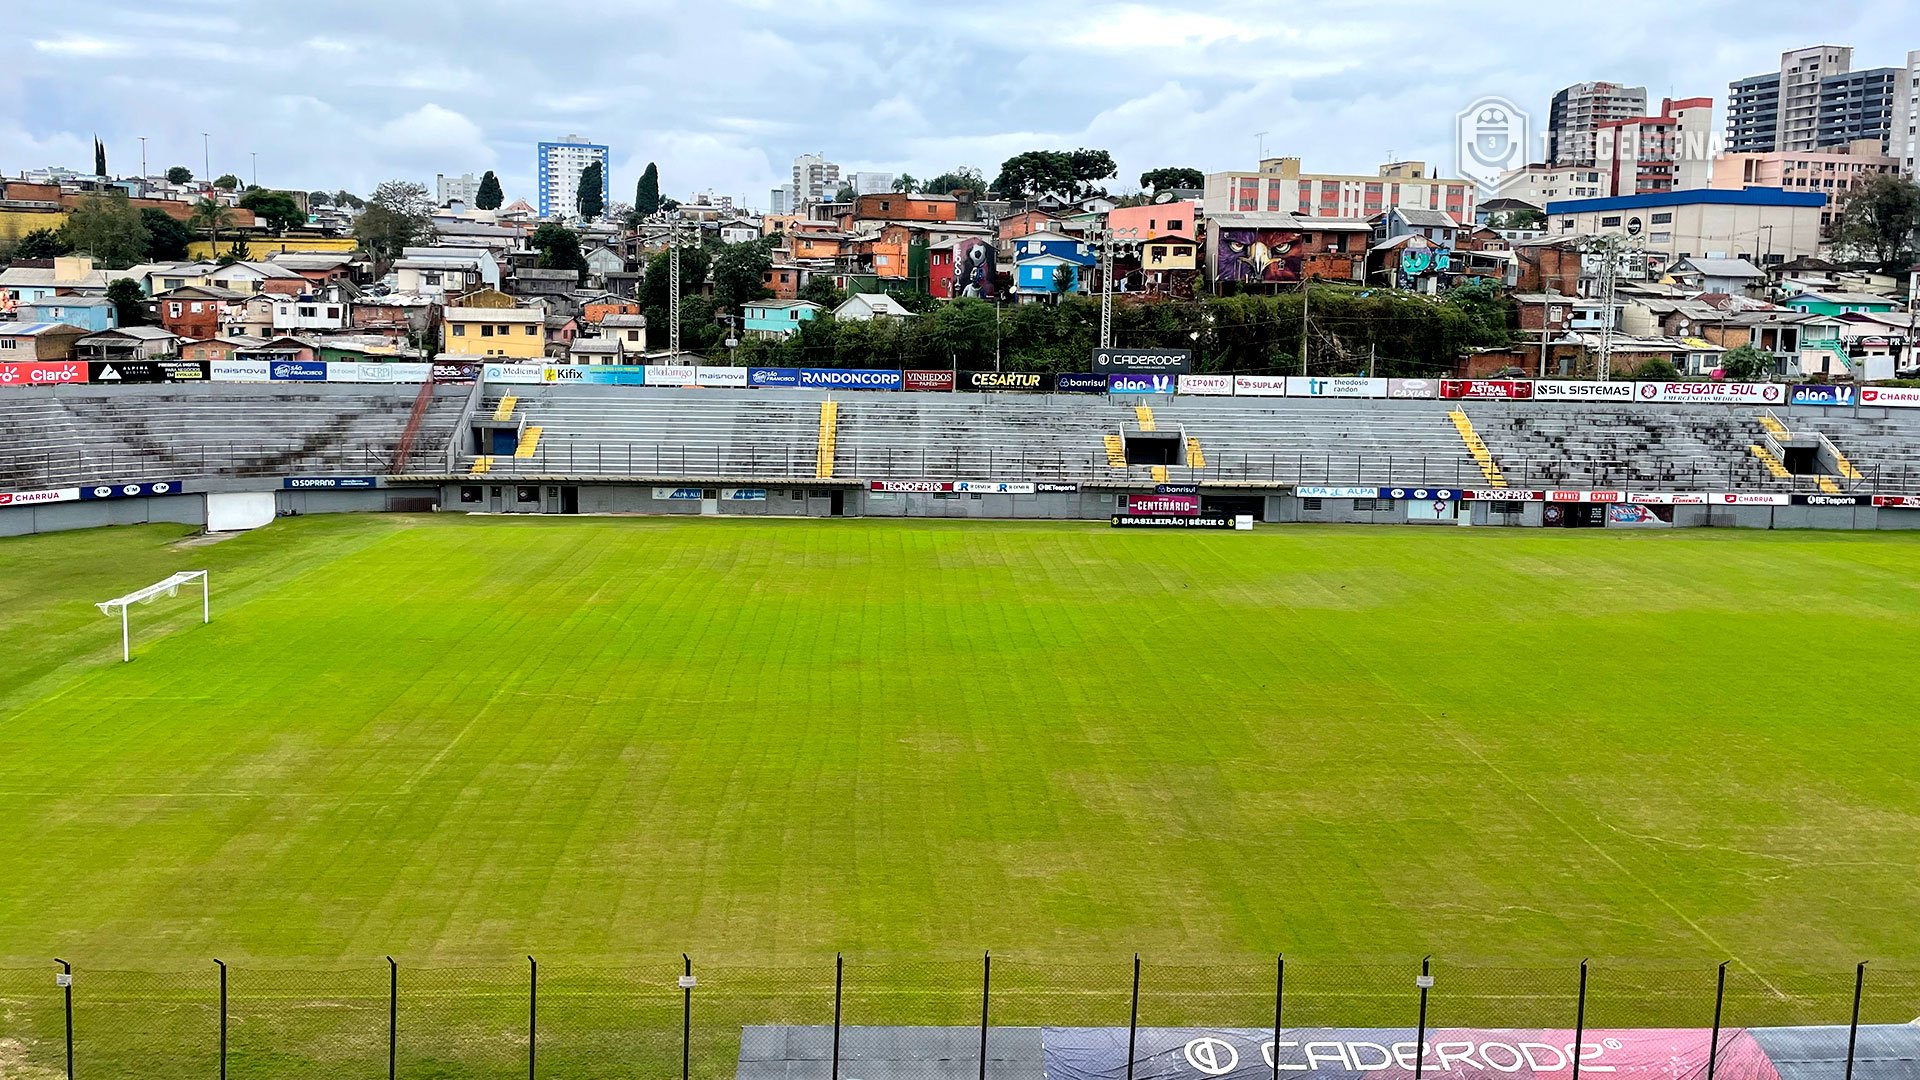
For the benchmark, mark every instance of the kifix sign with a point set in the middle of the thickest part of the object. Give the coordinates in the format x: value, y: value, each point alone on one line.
x: 1169, y: 521
x: 1487, y: 389
x: 1188, y: 505
x: 849, y: 379
x: 1142, y: 361
x: 1015, y: 381
x: 1141, y: 384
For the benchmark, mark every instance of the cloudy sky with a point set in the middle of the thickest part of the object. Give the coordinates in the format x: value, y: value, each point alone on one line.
x: 724, y: 93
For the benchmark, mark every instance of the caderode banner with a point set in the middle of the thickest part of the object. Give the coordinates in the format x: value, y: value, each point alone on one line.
x: 28, y: 498
x: 148, y: 371
x: 850, y: 378
x: 1214, y: 385
x: 1896, y: 397
x: 910, y: 485
x: 1486, y: 389
x: 1260, y: 385
x: 1475, y: 1053
x: 42, y: 374
x: 1030, y: 382
x: 1163, y: 504
x: 1582, y: 391
x: 926, y: 380
x: 1317, y: 386
x: 1142, y: 361
x: 1710, y: 393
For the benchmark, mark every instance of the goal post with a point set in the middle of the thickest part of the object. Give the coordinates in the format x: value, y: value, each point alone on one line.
x: 169, y: 587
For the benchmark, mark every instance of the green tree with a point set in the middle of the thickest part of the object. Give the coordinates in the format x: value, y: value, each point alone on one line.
x: 319, y: 198
x: 277, y: 208
x: 227, y: 182
x: 559, y: 248
x: 845, y: 194
x: 348, y: 200
x: 1744, y: 363
x: 1526, y: 218
x: 400, y: 213
x: 210, y: 216
x: 646, y: 192
x: 108, y: 228
x: 179, y: 174
x: 99, y: 157
x: 821, y: 290
x: 489, y: 197
x: 1878, y: 219
x: 167, y: 237
x: 591, y: 199
x: 656, y: 289
x: 41, y: 244
x: 1171, y: 177
x: 739, y: 272
x: 964, y: 178
x: 906, y: 184
x: 1654, y: 369
x: 1070, y: 174
x: 129, y: 303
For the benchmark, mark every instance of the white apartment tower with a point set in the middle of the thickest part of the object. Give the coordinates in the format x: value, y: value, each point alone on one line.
x: 815, y: 180
x: 559, y: 167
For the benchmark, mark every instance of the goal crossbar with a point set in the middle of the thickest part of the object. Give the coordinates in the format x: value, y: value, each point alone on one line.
x: 168, y: 587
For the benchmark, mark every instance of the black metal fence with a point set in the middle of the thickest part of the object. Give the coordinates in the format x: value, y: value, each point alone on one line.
x: 675, y: 1017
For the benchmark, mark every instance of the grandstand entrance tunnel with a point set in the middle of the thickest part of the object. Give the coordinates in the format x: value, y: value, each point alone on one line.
x: 1233, y: 505
x: 1155, y: 448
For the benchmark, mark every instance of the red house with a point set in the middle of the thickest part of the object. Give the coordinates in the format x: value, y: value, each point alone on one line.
x: 194, y: 312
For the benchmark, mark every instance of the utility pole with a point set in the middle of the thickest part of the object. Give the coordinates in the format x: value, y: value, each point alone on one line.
x: 255, y: 155
x: 1613, y: 249
x: 206, y: 159
x: 143, y: 157
x: 1546, y: 316
x: 676, y: 239
x: 1304, y: 294
x: 1106, y: 244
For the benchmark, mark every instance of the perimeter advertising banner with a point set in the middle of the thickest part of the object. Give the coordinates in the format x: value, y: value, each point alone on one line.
x: 1320, y: 386
x: 1888, y: 1052
x: 1188, y: 505
x: 1142, y: 361
x: 1413, y: 388
x: 1260, y: 386
x: 29, y: 498
x: 1210, y: 385
x: 1709, y: 393
x: 149, y: 371
x: 849, y: 379
x: 724, y: 378
x: 132, y: 491
x: 613, y: 374
x: 378, y: 371
x: 1830, y: 500
x: 512, y: 373
x: 932, y: 381
x: 1166, y: 521
x: 1813, y: 394
x: 240, y: 370
x: 455, y: 372
x: 42, y: 374
x: 299, y: 371
x: 1030, y: 382
x: 1080, y: 382
x: 1582, y: 391
x: 672, y: 374
x: 329, y: 483
x: 773, y: 376
x: 1141, y: 384
x: 1487, y: 389
x: 1896, y: 397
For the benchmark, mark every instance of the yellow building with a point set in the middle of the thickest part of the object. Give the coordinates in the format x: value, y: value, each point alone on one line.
x: 518, y: 333
x: 1169, y: 253
x: 259, y: 248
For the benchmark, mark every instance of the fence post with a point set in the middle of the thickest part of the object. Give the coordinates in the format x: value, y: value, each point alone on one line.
x: 839, y: 969
x: 986, y: 995
x: 1279, y: 989
x: 1719, y: 999
x: 1425, y: 983
x: 1853, y: 1031
x: 1580, y: 1020
x: 533, y: 1011
x: 65, y: 981
x: 1133, y: 1016
x: 223, y: 1017
x: 686, y: 1016
x: 393, y: 1017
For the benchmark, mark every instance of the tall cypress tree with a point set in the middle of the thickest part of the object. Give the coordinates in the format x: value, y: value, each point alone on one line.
x: 99, y: 157
x: 592, y: 198
x: 489, y: 196
x: 646, y: 194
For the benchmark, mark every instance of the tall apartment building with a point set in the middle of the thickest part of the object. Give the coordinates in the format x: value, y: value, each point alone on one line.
x: 559, y: 167
x: 1577, y: 113
x: 1669, y: 152
x: 815, y: 180
x: 1816, y: 99
x: 872, y: 183
x: 1280, y: 187
x: 1903, y: 142
x: 463, y: 188
x: 780, y: 200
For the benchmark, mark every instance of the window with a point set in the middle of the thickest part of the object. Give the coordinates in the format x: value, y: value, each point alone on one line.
x: 1310, y: 505
x: 486, y: 329
x: 526, y: 494
x: 9, y: 343
x: 1372, y: 505
x: 1159, y: 251
x: 502, y: 330
x: 333, y: 313
x: 306, y: 312
x: 173, y: 309
x: 459, y: 330
x: 470, y: 493
x: 432, y: 279
x: 1508, y: 509
x: 532, y: 329
x: 1176, y: 224
x: 1610, y: 222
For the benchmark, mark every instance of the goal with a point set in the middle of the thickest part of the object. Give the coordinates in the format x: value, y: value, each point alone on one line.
x: 169, y: 587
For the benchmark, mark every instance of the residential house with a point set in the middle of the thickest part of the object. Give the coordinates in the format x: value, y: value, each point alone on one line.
x: 629, y: 330
x: 783, y: 281
x: 739, y: 230
x: 555, y: 287
x: 1169, y: 265
x: 598, y: 307
x: 602, y: 261
x: 1279, y: 186
x: 1736, y: 276
x: 37, y: 341
x: 1436, y: 225
x: 319, y: 268
x: 217, y: 348
x: 27, y: 280
x: 1840, y: 303
x: 1270, y: 252
x: 562, y: 330
x: 1026, y: 223
x: 397, y: 315
x: 249, y: 316
x: 127, y: 343
x: 92, y: 313
x: 864, y: 307
x: 776, y: 318
x: 194, y: 312
x: 518, y: 333
x: 898, y: 206
x: 1044, y: 261
x: 283, y: 349
x: 312, y: 313
x: 596, y: 350
x: 156, y: 278
x: 1177, y: 218
x: 257, y: 277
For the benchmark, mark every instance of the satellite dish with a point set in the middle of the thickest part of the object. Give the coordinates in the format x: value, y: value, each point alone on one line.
x: 1164, y: 197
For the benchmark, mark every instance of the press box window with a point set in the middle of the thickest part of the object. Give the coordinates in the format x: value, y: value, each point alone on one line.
x: 1508, y: 509
x: 470, y: 493
x: 1373, y: 505
x: 527, y: 494
x: 1310, y: 504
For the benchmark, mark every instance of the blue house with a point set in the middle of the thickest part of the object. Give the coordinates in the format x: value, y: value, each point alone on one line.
x: 1038, y: 259
x: 776, y: 318
x: 94, y: 313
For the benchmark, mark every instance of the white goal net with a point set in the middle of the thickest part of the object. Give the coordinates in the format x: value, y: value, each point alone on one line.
x: 170, y: 587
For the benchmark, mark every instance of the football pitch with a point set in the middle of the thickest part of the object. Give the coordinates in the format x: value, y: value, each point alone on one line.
x: 605, y: 742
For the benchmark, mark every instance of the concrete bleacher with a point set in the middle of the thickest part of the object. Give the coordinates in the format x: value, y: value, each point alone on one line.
x: 1884, y: 450
x: 55, y: 436
x: 1682, y: 447
x: 984, y: 436
x: 617, y: 430
x: 1296, y: 441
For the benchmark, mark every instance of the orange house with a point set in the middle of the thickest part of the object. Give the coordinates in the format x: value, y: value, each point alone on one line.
x: 1026, y: 224
x: 783, y: 281
x: 591, y: 313
x: 816, y: 245
x: 898, y: 206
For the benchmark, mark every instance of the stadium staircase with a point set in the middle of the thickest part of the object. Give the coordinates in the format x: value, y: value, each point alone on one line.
x: 829, y: 437
x: 1778, y: 435
x: 1144, y: 416
x: 1659, y: 448
x: 1477, y: 446
x: 1116, y: 450
x: 1196, y: 457
x: 504, y: 411
x: 529, y: 442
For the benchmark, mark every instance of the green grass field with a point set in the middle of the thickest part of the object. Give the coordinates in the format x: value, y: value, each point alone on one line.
x: 604, y: 742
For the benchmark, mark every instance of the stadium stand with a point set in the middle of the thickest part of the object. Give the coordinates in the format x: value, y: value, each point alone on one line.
x: 83, y: 434
x: 612, y: 430
x: 1319, y: 442
x: 1697, y: 448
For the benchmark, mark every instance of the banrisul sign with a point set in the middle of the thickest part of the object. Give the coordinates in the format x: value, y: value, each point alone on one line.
x: 1142, y: 361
